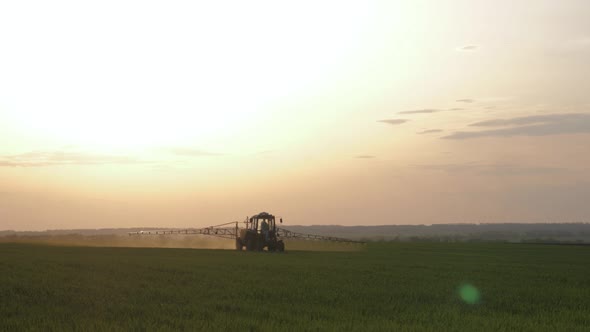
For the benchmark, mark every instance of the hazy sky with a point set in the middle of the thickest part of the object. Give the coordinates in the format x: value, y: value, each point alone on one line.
x: 187, y: 113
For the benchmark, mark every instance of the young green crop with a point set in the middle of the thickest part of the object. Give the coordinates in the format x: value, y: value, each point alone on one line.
x: 389, y: 286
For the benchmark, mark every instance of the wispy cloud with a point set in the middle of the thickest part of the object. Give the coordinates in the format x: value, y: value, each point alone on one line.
x: 468, y: 48
x: 465, y: 100
x: 422, y: 111
x: 394, y: 121
x: 430, y: 131
x: 365, y: 156
x: 492, y: 169
x: 577, y: 44
x: 188, y: 152
x: 536, y: 125
x: 264, y: 152
x: 584, y: 41
x: 533, y: 119
x: 57, y: 158
x: 430, y: 110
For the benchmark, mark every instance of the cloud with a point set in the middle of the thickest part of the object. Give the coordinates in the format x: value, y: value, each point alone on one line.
x: 189, y: 152
x: 365, y: 156
x: 465, y: 100
x: 430, y: 131
x: 584, y: 41
x: 422, y: 111
x: 492, y: 169
x: 69, y: 157
x: 468, y: 48
x: 536, y: 125
x: 432, y: 110
x: 57, y: 158
x: 265, y: 152
x: 394, y: 121
x: 577, y: 44
x: 533, y: 119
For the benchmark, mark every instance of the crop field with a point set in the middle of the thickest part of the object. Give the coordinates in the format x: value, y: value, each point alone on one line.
x: 385, y: 286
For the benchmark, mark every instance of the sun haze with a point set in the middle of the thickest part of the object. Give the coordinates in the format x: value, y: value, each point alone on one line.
x: 145, y: 113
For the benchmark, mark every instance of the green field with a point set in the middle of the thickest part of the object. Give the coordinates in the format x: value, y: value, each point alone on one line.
x: 393, y: 286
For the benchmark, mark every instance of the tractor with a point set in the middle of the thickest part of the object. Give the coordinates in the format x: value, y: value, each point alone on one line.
x: 260, y: 232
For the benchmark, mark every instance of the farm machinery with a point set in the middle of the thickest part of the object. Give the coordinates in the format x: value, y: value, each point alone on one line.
x: 259, y: 233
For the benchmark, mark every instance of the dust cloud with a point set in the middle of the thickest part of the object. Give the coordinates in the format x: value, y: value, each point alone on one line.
x: 176, y: 241
x: 165, y: 241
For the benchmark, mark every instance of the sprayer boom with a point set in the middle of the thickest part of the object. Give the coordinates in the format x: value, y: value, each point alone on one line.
x: 260, y: 232
x: 222, y: 230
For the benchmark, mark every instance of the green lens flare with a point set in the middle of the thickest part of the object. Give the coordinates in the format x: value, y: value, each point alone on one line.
x: 469, y: 294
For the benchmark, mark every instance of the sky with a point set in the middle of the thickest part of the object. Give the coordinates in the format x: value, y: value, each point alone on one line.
x: 188, y: 114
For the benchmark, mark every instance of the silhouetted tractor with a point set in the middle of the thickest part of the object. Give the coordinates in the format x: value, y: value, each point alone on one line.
x: 260, y: 232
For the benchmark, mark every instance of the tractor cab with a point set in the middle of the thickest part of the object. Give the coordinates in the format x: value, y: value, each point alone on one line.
x: 262, y: 222
x: 260, y: 233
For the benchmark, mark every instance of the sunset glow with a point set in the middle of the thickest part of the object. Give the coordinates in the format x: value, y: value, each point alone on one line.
x: 127, y: 113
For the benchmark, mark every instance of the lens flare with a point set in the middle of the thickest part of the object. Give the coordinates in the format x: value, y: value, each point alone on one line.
x: 469, y: 294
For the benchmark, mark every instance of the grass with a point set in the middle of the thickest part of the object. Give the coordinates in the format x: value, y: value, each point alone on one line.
x: 388, y: 286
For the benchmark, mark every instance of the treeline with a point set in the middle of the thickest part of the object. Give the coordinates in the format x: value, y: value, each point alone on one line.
x: 542, y: 233
x: 506, y: 232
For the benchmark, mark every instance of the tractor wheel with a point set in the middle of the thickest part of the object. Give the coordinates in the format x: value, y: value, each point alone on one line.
x: 239, y: 244
x: 249, y: 245
x: 281, y: 246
